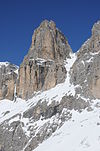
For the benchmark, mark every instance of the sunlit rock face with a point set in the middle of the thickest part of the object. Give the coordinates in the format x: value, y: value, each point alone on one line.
x: 43, y: 66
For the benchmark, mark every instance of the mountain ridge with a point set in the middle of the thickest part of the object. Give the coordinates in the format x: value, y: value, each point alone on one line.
x: 69, y: 107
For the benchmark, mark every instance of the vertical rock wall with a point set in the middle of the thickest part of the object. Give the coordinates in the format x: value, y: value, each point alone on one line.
x: 43, y: 66
x: 8, y: 78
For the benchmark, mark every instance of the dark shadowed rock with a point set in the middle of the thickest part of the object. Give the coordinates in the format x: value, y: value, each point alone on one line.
x: 8, y: 76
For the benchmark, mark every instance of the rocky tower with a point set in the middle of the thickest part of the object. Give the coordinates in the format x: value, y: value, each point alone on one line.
x: 8, y: 76
x: 43, y: 66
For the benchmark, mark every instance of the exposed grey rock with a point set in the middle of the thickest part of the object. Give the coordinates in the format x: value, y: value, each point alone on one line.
x: 8, y: 78
x: 86, y: 69
x: 13, y: 136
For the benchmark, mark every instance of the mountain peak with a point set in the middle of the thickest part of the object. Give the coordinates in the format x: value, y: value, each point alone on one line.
x: 45, y: 60
x: 47, y: 23
x: 96, y: 28
x: 46, y: 41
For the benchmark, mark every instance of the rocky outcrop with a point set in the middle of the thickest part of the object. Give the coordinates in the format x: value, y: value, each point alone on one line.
x: 86, y: 70
x: 51, y: 117
x: 12, y: 138
x: 8, y: 76
x: 43, y: 66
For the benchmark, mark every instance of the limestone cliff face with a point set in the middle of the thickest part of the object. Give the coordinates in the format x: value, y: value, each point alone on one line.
x: 43, y: 66
x: 86, y: 70
x: 8, y: 78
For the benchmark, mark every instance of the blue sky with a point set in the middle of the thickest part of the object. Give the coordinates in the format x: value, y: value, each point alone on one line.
x: 19, y: 18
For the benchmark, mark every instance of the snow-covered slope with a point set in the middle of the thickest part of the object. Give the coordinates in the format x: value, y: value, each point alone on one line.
x: 54, y: 94
x: 63, y: 129
x: 10, y: 108
x: 80, y: 133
